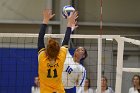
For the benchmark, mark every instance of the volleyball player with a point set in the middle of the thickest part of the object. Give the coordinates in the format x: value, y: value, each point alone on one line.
x: 74, y: 74
x: 51, y: 59
x: 136, y: 84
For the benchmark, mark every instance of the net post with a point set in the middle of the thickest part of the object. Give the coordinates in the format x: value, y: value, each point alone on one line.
x: 99, y: 64
x: 119, y: 69
x: 133, y: 41
x: 131, y: 70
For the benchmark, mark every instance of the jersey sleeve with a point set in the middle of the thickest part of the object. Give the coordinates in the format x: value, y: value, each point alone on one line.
x: 82, y: 77
x: 81, y: 81
x: 67, y: 37
x: 41, y: 37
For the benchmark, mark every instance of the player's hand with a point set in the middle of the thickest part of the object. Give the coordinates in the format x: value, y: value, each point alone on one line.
x: 47, y: 15
x: 72, y: 19
x: 74, y: 26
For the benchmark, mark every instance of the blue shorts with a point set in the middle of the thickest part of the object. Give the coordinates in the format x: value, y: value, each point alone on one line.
x: 71, y: 90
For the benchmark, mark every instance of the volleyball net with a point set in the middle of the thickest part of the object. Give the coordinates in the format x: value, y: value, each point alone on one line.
x: 108, y: 55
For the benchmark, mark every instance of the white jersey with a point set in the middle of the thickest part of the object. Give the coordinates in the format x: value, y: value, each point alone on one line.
x: 109, y: 90
x: 87, y: 91
x: 35, y: 90
x: 73, y: 73
x: 132, y: 90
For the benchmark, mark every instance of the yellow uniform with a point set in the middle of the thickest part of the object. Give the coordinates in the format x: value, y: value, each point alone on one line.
x: 51, y: 75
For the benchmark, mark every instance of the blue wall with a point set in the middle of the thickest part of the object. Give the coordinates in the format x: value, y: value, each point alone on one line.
x: 18, y: 67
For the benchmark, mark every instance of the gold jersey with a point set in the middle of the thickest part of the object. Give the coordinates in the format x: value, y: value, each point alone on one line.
x: 50, y: 75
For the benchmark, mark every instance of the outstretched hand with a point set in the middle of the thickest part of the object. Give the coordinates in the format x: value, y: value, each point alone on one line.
x: 47, y: 15
x: 72, y: 20
x: 74, y: 26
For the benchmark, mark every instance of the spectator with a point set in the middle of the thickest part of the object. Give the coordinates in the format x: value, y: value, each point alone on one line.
x: 36, y: 87
x: 104, y: 86
x: 136, y: 84
x: 86, y: 88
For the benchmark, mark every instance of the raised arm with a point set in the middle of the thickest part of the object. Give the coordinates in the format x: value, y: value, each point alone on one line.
x: 71, y: 21
x: 47, y: 15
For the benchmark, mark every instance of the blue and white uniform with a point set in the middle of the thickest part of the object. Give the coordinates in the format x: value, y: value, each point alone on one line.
x: 74, y: 74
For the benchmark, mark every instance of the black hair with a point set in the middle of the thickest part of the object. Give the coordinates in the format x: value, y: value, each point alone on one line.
x: 86, y: 54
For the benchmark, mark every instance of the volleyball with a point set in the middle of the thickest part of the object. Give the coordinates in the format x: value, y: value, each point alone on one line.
x: 66, y: 10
